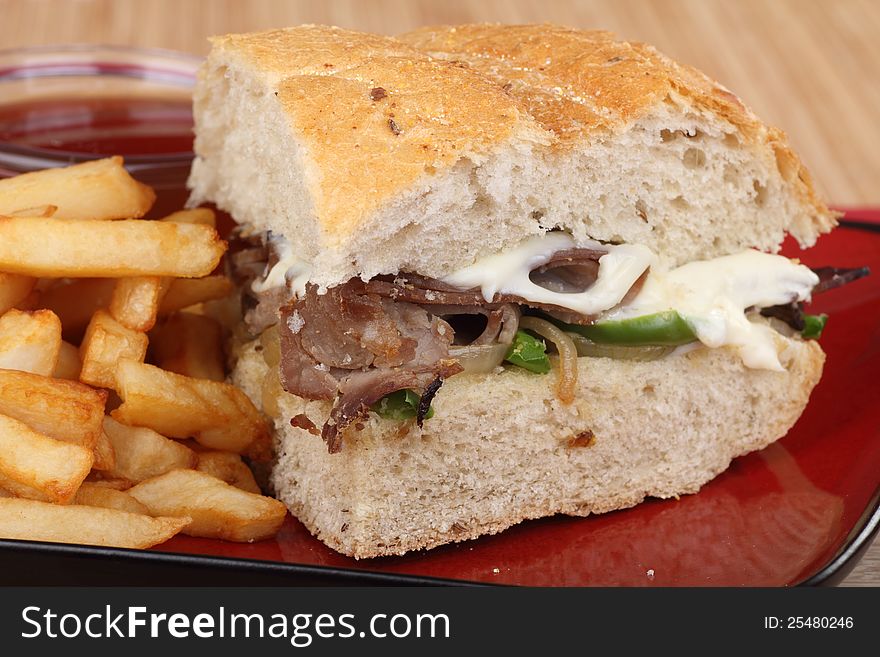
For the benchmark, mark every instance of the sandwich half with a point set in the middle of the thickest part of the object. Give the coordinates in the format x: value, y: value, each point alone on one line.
x: 492, y: 273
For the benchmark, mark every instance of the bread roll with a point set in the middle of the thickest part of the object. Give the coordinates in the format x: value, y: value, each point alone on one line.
x: 425, y: 152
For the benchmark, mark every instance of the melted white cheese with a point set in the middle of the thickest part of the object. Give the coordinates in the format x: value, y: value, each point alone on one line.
x: 290, y: 270
x: 508, y: 273
x: 711, y: 295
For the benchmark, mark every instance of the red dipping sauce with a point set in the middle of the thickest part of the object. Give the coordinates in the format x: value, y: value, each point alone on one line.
x: 63, y: 105
x: 100, y: 126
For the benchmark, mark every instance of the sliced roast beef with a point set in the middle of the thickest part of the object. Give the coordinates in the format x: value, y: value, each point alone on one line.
x: 356, y: 348
x: 403, y: 288
x: 262, y: 309
x: 361, y: 341
x: 501, y: 324
x: 832, y: 277
x: 829, y: 278
x: 430, y: 334
x: 300, y: 372
x: 347, y: 329
x: 790, y: 313
x: 361, y: 389
x: 569, y: 271
x: 249, y: 260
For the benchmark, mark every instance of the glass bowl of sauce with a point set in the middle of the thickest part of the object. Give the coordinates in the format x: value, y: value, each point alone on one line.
x: 65, y: 104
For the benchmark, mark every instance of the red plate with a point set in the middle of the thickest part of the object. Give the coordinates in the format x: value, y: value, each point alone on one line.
x: 802, y: 508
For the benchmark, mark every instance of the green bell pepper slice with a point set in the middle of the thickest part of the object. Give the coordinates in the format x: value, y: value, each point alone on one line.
x: 664, y: 328
x: 400, y: 405
x: 529, y: 353
x: 813, y: 326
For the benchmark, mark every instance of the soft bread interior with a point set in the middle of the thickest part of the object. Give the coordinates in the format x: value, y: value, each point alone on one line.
x: 501, y: 448
x: 381, y: 188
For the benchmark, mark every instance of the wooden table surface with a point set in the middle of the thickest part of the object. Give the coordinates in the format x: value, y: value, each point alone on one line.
x: 811, y: 67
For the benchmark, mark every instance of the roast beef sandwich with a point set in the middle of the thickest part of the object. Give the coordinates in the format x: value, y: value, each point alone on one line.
x: 492, y: 273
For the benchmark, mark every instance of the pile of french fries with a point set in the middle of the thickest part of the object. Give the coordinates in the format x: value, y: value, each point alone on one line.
x: 116, y: 425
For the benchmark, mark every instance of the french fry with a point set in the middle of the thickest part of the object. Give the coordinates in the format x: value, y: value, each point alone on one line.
x: 216, y: 509
x: 75, y: 303
x: 106, y: 341
x: 65, y: 410
x: 135, y: 301
x: 99, y: 479
x: 189, y: 344
x: 90, y: 494
x: 30, y: 341
x: 37, y: 246
x: 101, y: 189
x: 217, y: 415
x: 105, y: 454
x: 142, y: 453
x: 38, y: 467
x: 204, y: 216
x: 249, y: 422
x: 183, y: 293
x: 228, y: 467
x: 162, y: 401
x: 69, y: 365
x: 38, y: 211
x: 88, y: 525
x: 14, y: 289
x: 68, y: 472
x: 228, y: 312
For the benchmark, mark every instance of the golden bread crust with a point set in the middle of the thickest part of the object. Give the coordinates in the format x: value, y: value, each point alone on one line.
x: 379, y: 128
x: 576, y: 83
x: 374, y: 114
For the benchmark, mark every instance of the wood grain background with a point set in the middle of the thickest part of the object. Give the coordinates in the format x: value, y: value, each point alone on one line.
x: 811, y: 67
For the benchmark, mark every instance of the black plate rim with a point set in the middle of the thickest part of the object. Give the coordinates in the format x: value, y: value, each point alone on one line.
x: 829, y: 574
x: 852, y: 550
x: 241, y: 565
